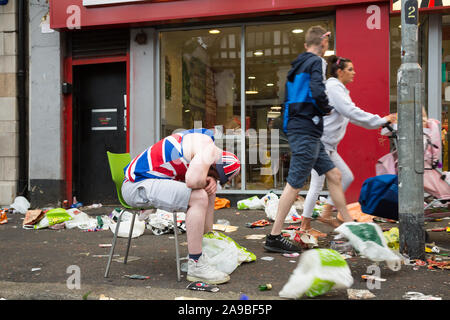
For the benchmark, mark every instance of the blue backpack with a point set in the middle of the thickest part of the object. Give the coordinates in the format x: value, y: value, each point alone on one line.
x: 379, y: 196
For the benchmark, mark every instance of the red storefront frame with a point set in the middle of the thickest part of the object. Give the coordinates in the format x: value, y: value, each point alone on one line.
x: 368, y: 49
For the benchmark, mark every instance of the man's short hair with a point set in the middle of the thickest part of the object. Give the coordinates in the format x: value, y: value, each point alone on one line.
x: 314, y: 36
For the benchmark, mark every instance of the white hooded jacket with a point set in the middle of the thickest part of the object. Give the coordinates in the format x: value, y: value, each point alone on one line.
x: 344, y: 111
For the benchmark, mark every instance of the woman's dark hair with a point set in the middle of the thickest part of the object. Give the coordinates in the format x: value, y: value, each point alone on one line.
x: 335, y: 63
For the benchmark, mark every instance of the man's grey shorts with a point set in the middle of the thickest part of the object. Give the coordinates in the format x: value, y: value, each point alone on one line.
x: 164, y: 194
x: 307, y: 153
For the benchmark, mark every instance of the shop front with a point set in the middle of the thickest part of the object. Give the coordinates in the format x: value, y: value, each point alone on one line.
x: 213, y: 64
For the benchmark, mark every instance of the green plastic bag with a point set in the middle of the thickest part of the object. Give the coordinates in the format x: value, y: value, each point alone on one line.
x: 52, y: 217
x: 252, y: 203
x: 318, y: 271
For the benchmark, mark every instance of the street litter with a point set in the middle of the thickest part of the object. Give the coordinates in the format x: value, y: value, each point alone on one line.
x: 258, y: 223
x: 255, y: 236
x: 103, y: 297
x: 368, y: 240
x: 52, y: 217
x: 201, y: 286
x: 354, y: 210
x: 267, y: 258
x: 271, y: 208
x: 291, y: 255
x: 36, y: 269
x: 224, y: 253
x: 130, y: 259
x: 220, y: 203
x: 3, y: 217
x: 356, y: 294
x: 372, y: 277
x: 124, y: 228
x: 104, y: 255
x: 412, y: 295
x: 318, y: 271
x: 20, y: 205
x: 105, y: 245
x: 305, y: 240
x: 224, y: 228
x: 392, y: 238
x: 252, y: 203
x: 136, y: 277
x: 33, y: 216
x: 161, y: 222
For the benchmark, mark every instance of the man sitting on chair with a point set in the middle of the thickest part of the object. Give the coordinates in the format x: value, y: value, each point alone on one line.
x: 180, y: 173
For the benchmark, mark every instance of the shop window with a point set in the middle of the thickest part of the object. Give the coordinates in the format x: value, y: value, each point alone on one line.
x: 200, y: 77
x: 445, y: 88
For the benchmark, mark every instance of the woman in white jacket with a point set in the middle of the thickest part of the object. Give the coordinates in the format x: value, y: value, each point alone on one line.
x: 342, y: 72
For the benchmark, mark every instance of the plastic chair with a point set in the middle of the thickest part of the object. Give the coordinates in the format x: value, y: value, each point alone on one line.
x: 117, y: 162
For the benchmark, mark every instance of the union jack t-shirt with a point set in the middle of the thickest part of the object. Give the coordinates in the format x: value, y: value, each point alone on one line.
x: 163, y: 160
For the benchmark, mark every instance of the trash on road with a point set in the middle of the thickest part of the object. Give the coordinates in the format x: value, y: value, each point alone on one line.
x: 35, y: 269
x: 224, y: 253
x: 369, y: 241
x: 136, y: 277
x: 130, y: 259
x: 267, y: 258
x: 318, y: 271
x: 161, y: 222
x: 255, y: 236
x: 33, y: 216
x: 20, y: 204
x: 224, y: 228
x: 412, y: 295
x: 265, y: 287
x: 372, y: 278
x: 3, y: 217
x: 356, y: 294
x: 258, y: 223
x: 202, y: 286
x: 220, y: 203
x: 291, y: 255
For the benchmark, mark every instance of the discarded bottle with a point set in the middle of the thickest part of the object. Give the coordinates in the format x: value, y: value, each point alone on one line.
x: 65, y: 204
x: 265, y: 287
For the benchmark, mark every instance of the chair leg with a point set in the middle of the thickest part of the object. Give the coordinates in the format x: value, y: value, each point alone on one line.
x: 175, y: 231
x: 111, y: 253
x: 129, y: 238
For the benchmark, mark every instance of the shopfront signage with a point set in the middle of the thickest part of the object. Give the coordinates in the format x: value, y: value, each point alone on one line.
x: 422, y: 4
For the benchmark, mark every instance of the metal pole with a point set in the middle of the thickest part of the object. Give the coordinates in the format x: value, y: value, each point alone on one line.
x: 410, y: 137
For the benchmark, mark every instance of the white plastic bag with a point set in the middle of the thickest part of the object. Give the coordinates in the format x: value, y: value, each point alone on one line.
x: 224, y: 253
x: 271, y: 212
x: 124, y: 228
x: 80, y: 220
x: 318, y: 271
x: 252, y: 203
x: 20, y: 204
x: 369, y: 241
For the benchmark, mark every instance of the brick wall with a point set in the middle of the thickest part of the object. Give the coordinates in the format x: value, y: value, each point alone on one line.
x: 8, y: 103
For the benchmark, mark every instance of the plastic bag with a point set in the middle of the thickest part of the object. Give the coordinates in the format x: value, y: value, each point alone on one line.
x: 220, y: 203
x: 369, y: 241
x: 318, y: 271
x: 392, y: 238
x: 80, y: 220
x: 271, y: 212
x: 20, y: 204
x: 252, y: 203
x: 53, y: 217
x: 161, y: 222
x: 124, y: 228
x: 224, y: 253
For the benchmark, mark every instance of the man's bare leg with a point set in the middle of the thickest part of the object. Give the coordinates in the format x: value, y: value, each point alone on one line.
x: 209, y: 219
x: 195, y: 220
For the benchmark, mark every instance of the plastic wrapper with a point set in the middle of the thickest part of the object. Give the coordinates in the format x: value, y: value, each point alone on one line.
x: 369, y: 241
x: 224, y: 253
x: 20, y: 204
x: 271, y: 212
x: 53, y: 217
x: 318, y: 271
x: 392, y: 238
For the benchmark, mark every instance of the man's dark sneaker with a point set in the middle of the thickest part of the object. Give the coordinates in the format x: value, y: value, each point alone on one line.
x: 280, y: 244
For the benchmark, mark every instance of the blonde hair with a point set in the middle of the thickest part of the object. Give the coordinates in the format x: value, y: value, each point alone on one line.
x: 314, y: 36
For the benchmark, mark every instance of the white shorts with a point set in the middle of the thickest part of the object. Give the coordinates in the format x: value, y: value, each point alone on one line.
x: 164, y: 194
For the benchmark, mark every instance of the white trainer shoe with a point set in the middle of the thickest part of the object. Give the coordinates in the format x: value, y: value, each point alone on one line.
x: 202, y: 271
